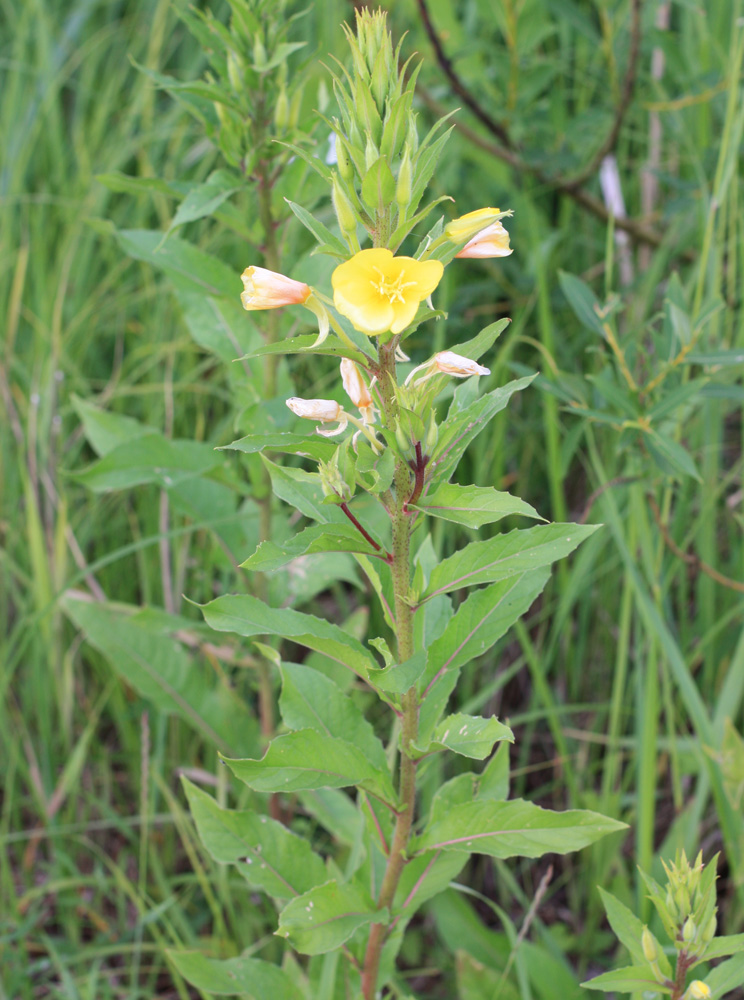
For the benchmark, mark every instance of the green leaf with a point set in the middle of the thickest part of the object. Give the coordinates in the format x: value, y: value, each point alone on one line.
x: 309, y: 700
x: 216, y: 323
x: 378, y: 186
x: 322, y: 919
x: 425, y: 877
x: 149, y: 458
x: 462, y: 426
x: 726, y: 976
x: 632, y: 979
x: 181, y: 260
x: 478, y: 623
x: 670, y: 455
x: 514, y: 829
x: 161, y: 670
x: 203, y: 199
x: 248, y: 616
x: 723, y: 359
x: 308, y: 445
x: 625, y: 924
x: 307, y: 759
x: 266, y: 853
x: 115, y: 180
x: 468, y: 735
x: 105, y: 430
x: 317, y: 538
x: 494, y: 781
x: 472, y: 505
x: 251, y: 978
x: 482, y: 342
x: 720, y: 947
x: 331, y: 346
x: 321, y: 233
x: 583, y: 301
x: 504, y: 555
x: 399, y: 677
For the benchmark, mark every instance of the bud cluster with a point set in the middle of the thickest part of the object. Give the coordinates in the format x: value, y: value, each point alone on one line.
x: 383, y: 170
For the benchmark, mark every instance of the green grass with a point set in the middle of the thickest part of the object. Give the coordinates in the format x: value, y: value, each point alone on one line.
x: 620, y: 681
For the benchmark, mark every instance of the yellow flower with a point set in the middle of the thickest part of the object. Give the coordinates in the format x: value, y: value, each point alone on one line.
x: 699, y: 990
x: 269, y: 290
x: 467, y: 226
x: 379, y: 292
x: 493, y: 241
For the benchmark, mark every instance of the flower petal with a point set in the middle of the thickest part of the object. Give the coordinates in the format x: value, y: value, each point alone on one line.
x: 371, y: 315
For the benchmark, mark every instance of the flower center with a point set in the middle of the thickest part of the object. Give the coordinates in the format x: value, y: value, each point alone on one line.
x: 391, y: 289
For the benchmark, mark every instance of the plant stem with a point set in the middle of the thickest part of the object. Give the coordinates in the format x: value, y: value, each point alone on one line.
x: 401, y: 566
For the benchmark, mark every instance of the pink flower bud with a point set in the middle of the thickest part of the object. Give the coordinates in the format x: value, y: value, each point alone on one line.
x: 269, y: 290
x: 493, y: 241
x: 455, y: 364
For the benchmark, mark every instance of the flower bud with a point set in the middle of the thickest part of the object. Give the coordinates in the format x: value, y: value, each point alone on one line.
x: 354, y: 385
x: 259, y: 53
x: 281, y: 110
x: 332, y: 481
x: 671, y: 905
x: 432, y: 435
x: 709, y: 931
x: 265, y: 289
x: 493, y: 241
x: 649, y: 946
x: 234, y: 72
x: 698, y: 990
x: 405, y: 177
x: 689, y: 931
x: 345, y: 213
x: 465, y: 227
x: 371, y: 153
x: 325, y: 410
x: 345, y: 165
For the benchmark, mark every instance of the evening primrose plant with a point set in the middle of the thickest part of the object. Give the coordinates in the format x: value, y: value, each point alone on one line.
x: 382, y: 457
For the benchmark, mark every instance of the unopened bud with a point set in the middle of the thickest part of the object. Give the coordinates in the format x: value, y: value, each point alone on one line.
x: 649, y: 946
x: 333, y: 483
x: 405, y: 176
x: 689, y: 931
x: 682, y: 899
x: 371, y: 153
x: 259, y: 53
x: 234, y: 72
x: 432, y: 435
x: 699, y: 990
x: 671, y: 905
x: 345, y: 165
x: 710, y: 930
x: 281, y: 110
x: 345, y: 213
x: 465, y: 227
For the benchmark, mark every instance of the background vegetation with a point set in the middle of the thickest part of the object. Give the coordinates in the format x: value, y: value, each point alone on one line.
x: 626, y: 683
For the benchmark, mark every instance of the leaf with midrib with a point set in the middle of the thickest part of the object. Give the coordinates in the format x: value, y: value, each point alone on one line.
x: 325, y: 917
x: 270, y: 556
x: 514, y: 829
x: 251, y: 978
x: 472, y: 505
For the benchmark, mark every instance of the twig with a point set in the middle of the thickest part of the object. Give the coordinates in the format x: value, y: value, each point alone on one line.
x: 458, y: 86
x: 626, y: 96
x: 689, y: 557
x: 360, y: 527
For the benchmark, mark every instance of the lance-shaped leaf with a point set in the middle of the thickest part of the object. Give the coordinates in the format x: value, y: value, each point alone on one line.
x: 161, y: 670
x: 462, y: 426
x: 631, y: 979
x: 505, y: 555
x: 248, y: 616
x: 514, y: 829
x: 468, y: 735
x: 310, y: 700
x: 251, y: 978
x: 151, y: 458
x: 478, y: 623
x: 720, y: 947
x: 425, y: 877
x: 183, y: 262
x: 205, y: 198
x: 269, y: 856
x: 726, y: 976
x: 307, y: 759
x: 318, y: 538
x: 322, y: 919
x: 312, y: 446
x: 472, y: 505
x: 331, y: 346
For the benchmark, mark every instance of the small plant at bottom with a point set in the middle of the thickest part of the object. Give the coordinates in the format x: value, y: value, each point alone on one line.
x: 687, y: 912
